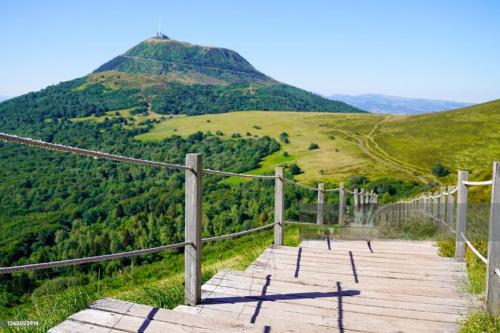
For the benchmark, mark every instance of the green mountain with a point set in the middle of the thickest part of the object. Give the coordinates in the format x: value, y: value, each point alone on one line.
x: 180, y: 60
x: 169, y: 77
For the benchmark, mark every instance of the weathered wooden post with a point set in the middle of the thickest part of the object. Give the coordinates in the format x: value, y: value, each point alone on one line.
x: 192, y: 229
x: 279, y: 205
x: 451, y: 207
x: 461, y: 215
x: 431, y: 204
x: 356, y: 198
x: 442, y: 206
x: 362, y: 197
x: 435, y: 205
x: 492, y: 279
x: 321, y: 203
x: 341, y: 203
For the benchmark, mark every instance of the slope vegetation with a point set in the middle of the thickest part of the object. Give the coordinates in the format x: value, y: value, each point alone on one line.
x: 371, y: 145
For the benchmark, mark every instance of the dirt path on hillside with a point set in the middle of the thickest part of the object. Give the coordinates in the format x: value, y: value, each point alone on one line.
x: 368, y: 146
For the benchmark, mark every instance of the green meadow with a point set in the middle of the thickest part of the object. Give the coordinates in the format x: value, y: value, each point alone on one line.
x: 404, y: 147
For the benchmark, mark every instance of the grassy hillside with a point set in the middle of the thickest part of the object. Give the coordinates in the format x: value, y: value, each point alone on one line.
x: 337, y: 157
x: 363, y: 144
x: 466, y: 139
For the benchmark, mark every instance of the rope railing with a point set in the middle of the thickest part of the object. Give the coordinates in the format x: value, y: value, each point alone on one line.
x: 86, y: 152
x: 233, y: 174
x: 293, y: 182
x: 333, y: 189
x: 482, y: 183
x: 121, y: 255
x: 473, y: 249
x: 87, y: 260
x: 237, y: 234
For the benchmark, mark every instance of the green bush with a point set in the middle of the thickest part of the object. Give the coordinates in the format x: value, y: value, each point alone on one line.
x: 439, y: 170
x: 313, y: 146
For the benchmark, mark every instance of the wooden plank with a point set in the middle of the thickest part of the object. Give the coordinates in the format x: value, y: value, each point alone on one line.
x: 171, y: 317
x: 428, y: 260
x: 271, y: 324
x: 353, y: 270
x: 340, y: 263
x: 324, y: 303
x: 347, y: 320
x: 341, y: 258
x: 392, y: 288
x: 71, y: 326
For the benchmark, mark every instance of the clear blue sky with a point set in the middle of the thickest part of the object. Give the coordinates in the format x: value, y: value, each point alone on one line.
x: 447, y: 49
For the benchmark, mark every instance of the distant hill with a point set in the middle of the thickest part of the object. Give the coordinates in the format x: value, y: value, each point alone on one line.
x: 4, y: 98
x: 377, y: 103
x: 169, y: 77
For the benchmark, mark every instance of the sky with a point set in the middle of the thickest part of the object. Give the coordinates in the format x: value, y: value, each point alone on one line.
x: 447, y: 49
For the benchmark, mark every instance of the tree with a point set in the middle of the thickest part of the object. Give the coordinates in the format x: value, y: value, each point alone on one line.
x: 284, y: 137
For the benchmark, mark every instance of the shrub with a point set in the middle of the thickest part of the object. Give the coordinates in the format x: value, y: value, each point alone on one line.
x: 439, y: 170
x: 257, y: 127
x: 295, y: 169
x: 313, y: 146
x: 285, y: 154
x: 284, y: 137
x: 219, y: 133
x: 236, y: 135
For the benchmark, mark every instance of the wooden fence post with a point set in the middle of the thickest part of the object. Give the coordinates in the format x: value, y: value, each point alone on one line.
x: 321, y: 203
x: 461, y: 215
x: 442, y: 206
x: 279, y: 205
x: 450, y: 210
x: 356, y: 199
x: 192, y: 229
x: 435, y: 206
x: 362, y: 196
x: 341, y: 203
x: 493, y: 280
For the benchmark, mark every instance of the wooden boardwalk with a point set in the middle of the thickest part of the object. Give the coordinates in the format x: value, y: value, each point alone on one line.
x: 320, y: 286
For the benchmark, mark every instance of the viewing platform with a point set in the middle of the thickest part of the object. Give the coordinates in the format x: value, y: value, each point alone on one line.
x: 320, y: 286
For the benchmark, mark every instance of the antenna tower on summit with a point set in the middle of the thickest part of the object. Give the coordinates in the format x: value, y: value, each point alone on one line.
x: 159, y: 34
